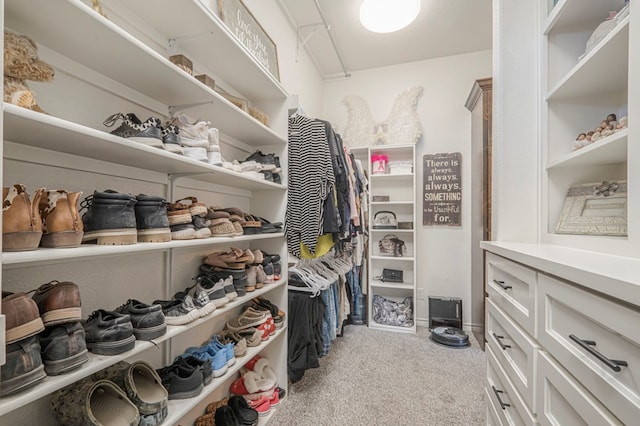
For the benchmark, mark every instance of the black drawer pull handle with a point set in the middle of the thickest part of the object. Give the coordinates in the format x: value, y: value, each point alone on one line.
x: 503, y: 405
x: 502, y: 284
x: 499, y: 339
x: 588, y: 345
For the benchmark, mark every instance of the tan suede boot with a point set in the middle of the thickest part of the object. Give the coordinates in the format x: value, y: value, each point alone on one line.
x: 62, y: 223
x: 21, y: 221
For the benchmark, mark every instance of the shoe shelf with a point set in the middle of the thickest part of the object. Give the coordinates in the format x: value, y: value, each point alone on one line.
x: 130, y: 62
x: 402, y: 286
x: 603, y: 70
x: 92, y: 250
x: 609, y: 150
x: 392, y: 231
x: 391, y: 203
x: 178, y: 408
x: 392, y: 258
x: 44, y: 131
x: 196, y: 30
x: 96, y: 363
x: 391, y: 176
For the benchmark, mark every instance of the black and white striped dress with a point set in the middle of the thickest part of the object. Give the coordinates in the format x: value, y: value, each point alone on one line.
x: 310, y: 181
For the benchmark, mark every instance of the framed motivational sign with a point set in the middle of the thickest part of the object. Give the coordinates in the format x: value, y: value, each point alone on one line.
x: 442, y: 189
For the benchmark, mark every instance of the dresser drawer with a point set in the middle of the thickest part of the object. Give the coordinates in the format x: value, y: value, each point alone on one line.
x: 562, y: 401
x: 585, y: 332
x: 514, y: 350
x: 512, y: 287
x: 493, y: 419
x: 511, y: 408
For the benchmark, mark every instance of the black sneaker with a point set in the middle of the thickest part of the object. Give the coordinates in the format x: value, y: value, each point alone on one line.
x: 268, y: 161
x: 193, y: 362
x: 110, y: 218
x: 171, y: 139
x: 181, y: 381
x: 151, y: 219
x: 179, y: 312
x: 216, y: 274
x: 244, y: 414
x: 148, y: 133
x: 63, y: 348
x: 109, y: 333
x: 147, y: 320
x: 23, y: 368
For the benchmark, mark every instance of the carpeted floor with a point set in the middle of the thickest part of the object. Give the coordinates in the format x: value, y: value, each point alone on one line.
x: 373, y: 378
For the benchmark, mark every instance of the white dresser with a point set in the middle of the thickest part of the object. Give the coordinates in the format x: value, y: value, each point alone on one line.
x: 563, y: 336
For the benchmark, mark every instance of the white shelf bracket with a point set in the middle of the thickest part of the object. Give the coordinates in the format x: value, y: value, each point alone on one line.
x: 175, y: 109
x: 175, y: 42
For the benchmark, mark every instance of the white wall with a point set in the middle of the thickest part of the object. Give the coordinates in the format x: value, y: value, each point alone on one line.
x: 443, y: 254
x: 298, y: 74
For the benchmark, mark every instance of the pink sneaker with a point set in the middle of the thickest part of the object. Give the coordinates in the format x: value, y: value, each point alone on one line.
x: 262, y: 405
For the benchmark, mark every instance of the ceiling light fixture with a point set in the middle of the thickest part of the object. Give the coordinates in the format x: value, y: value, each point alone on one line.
x: 386, y: 16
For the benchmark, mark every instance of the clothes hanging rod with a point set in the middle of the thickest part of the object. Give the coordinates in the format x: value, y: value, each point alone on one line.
x: 333, y: 42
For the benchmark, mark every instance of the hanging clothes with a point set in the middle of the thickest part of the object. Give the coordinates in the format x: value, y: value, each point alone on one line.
x: 311, y: 181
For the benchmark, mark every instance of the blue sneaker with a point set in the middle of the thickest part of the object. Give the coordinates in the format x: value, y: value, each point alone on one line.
x: 218, y: 358
x: 228, y: 349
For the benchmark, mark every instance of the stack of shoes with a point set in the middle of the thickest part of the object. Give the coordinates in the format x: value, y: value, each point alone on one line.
x: 109, y: 332
x: 23, y: 367
x: 143, y: 387
x: 148, y: 133
x: 148, y: 321
x: 63, y: 341
x: 239, y: 276
x: 262, y: 304
x: 183, y: 379
x: 219, y: 356
x: 171, y: 139
x: 180, y: 222
x: 221, y: 264
x: 198, y: 213
x: 194, y: 137
x: 270, y: 165
x: 219, y: 292
x: 258, y: 384
x: 225, y: 222
x: 251, y: 318
x: 232, y: 411
x: 51, y: 219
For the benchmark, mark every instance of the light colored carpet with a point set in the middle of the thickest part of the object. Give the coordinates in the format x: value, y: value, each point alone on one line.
x: 383, y: 378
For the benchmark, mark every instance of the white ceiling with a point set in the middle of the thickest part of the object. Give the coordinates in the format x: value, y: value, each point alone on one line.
x: 443, y: 28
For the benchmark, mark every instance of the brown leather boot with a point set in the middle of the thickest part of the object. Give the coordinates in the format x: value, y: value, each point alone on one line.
x: 58, y: 302
x: 22, y: 316
x: 21, y: 222
x: 61, y: 221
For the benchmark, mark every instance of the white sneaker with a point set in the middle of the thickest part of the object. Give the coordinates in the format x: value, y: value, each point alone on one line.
x: 215, y: 158
x: 214, y: 139
x: 193, y: 135
x: 199, y: 154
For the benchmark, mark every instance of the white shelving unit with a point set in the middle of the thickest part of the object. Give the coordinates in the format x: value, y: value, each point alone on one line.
x: 120, y: 64
x: 401, y: 189
x: 578, y: 91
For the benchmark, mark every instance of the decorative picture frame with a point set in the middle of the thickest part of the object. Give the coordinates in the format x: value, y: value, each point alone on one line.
x: 250, y: 34
x: 598, y: 208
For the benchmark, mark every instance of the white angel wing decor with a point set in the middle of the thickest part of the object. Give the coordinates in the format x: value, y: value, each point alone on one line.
x: 360, y: 125
x: 401, y: 127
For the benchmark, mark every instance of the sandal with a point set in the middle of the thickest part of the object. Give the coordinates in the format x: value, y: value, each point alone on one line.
x: 224, y: 260
x: 195, y: 208
x: 178, y: 214
x: 268, y: 227
x: 251, y: 226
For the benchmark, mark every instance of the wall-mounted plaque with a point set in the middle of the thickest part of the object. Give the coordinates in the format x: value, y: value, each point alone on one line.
x: 442, y: 186
x: 250, y: 33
